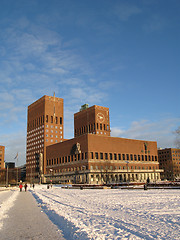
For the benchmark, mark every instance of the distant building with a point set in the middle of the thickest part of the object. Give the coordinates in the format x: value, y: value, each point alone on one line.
x: 2, y: 156
x: 44, y: 128
x: 169, y: 160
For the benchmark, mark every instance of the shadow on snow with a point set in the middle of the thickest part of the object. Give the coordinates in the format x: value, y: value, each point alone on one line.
x: 69, y: 230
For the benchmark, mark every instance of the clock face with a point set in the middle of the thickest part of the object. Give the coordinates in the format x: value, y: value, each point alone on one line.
x: 100, y: 117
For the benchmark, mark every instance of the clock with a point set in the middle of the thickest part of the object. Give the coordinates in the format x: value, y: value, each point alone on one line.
x: 100, y: 117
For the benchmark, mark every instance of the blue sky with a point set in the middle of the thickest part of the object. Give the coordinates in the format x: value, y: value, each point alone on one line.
x: 121, y: 54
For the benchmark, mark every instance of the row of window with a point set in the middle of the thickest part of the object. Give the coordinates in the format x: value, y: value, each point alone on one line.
x: 51, y: 140
x: 102, y: 168
x: 66, y: 159
x: 91, y: 128
x: 40, y: 120
x: 105, y: 156
x: 53, y: 119
x: 36, y: 131
x: 119, y: 156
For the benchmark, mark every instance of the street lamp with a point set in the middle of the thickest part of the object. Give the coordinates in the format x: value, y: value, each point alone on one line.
x: 51, y: 171
x: 7, y: 176
x: 84, y: 168
x: 127, y: 172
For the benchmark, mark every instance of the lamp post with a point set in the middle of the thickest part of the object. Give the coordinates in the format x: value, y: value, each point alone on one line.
x: 84, y: 168
x: 31, y: 176
x: 51, y: 171
x: 7, y: 176
x: 127, y: 173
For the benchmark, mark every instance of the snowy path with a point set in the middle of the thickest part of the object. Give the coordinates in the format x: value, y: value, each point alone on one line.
x: 113, y: 213
x: 25, y: 220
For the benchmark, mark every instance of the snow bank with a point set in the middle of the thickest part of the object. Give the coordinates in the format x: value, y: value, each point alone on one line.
x: 6, y: 204
x: 112, y: 213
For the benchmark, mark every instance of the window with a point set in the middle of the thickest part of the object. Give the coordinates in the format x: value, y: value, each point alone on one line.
x: 96, y: 155
x: 142, y: 157
x: 139, y: 158
x: 119, y: 156
x: 115, y: 156
x: 127, y: 156
x: 135, y: 157
x: 106, y: 156
x: 92, y: 155
x: 51, y: 119
x: 47, y: 118
x: 101, y: 155
x: 131, y: 157
x: 60, y: 120
x: 123, y: 156
x: 56, y: 120
x: 110, y: 156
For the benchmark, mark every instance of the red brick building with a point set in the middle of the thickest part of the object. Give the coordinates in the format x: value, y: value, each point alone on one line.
x: 44, y: 128
x: 2, y: 155
x: 169, y: 161
x: 94, y: 157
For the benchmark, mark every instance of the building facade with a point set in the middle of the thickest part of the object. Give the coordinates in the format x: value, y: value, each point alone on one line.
x: 169, y: 161
x: 2, y: 156
x: 96, y: 159
x: 44, y: 128
x: 93, y: 157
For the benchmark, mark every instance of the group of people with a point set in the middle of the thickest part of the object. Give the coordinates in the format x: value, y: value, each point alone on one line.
x: 25, y: 186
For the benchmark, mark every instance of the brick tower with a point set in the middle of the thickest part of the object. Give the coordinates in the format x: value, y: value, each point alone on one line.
x: 44, y: 128
x: 93, y: 120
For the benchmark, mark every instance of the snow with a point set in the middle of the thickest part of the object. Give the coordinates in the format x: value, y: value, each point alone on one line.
x: 112, y: 213
x: 7, y: 199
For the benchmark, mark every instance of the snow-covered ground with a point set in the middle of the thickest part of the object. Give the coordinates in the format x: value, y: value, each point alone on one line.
x: 112, y: 213
x: 7, y: 200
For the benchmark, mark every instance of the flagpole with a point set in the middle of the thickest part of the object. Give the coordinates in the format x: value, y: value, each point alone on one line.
x: 17, y: 168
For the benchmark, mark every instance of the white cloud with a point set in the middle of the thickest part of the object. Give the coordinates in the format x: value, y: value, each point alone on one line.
x: 160, y: 131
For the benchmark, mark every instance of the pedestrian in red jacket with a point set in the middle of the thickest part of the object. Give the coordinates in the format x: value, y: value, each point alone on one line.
x: 20, y: 187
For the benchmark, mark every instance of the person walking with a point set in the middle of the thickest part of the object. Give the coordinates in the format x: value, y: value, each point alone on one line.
x: 25, y: 187
x: 20, y: 187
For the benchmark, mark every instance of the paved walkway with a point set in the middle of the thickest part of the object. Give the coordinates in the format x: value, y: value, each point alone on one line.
x: 27, y: 221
